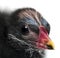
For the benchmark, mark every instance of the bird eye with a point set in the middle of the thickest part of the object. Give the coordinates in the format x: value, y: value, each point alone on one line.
x: 25, y: 30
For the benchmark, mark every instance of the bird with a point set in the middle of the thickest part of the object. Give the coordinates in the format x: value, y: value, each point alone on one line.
x: 24, y: 33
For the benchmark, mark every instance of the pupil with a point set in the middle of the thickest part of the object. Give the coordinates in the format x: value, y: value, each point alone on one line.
x: 25, y: 30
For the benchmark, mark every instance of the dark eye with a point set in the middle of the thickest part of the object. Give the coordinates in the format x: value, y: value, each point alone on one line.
x: 24, y: 30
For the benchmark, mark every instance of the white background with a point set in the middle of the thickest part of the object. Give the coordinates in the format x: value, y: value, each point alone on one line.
x: 50, y: 9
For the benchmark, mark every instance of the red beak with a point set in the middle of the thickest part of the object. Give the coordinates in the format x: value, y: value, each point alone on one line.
x: 44, y: 41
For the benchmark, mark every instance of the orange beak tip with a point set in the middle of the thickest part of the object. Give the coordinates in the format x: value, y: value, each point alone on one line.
x: 50, y: 45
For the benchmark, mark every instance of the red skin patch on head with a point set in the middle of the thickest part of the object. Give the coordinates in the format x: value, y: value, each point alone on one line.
x: 43, y: 38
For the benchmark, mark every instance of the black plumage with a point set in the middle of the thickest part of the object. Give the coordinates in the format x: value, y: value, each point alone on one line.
x: 18, y: 31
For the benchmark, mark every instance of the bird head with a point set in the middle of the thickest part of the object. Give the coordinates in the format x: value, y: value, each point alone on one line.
x: 31, y: 27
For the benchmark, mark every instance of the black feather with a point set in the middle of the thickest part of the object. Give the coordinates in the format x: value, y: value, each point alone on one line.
x: 11, y: 45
